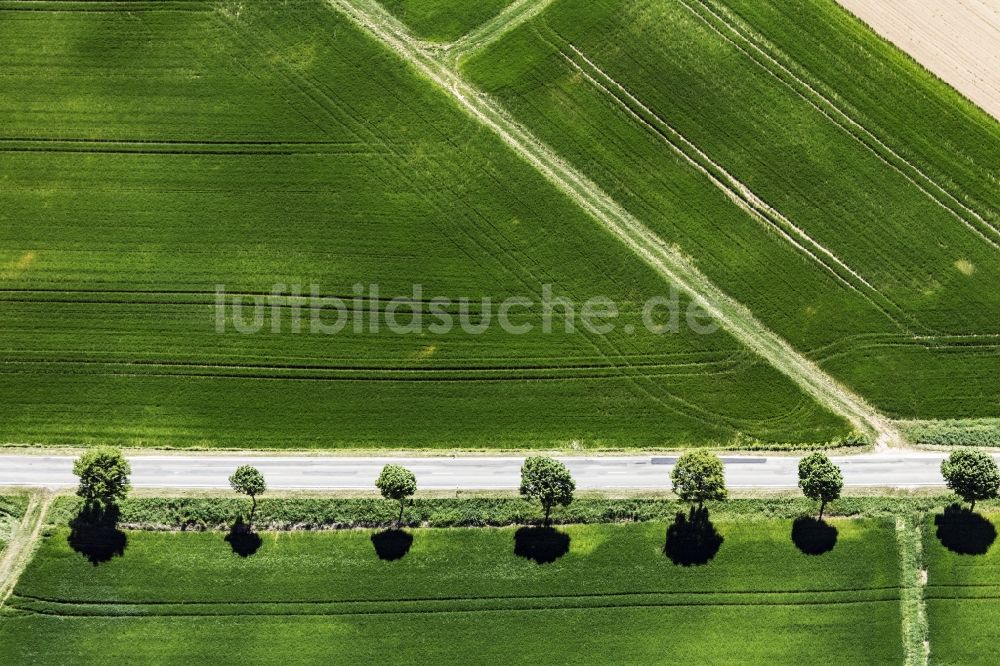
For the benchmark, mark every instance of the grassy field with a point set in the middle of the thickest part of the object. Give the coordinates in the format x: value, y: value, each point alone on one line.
x: 444, y: 20
x: 614, y: 596
x: 963, y: 582
x: 798, y: 182
x: 152, y: 151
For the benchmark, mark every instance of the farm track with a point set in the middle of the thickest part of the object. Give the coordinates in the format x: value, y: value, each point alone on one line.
x: 736, y: 318
x: 742, y: 37
x: 19, y: 550
x: 739, y: 193
x: 515, y: 14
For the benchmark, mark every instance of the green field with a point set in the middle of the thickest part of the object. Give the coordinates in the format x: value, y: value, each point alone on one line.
x: 444, y: 20
x: 613, y: 597
x: 187, y: 144
x: 154, y: 150
x: 866, y: 227
x: 963, y: 588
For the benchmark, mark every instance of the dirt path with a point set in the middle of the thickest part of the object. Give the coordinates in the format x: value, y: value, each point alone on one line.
x: 666, y: 260
x: 511, y: 17
x: 959, y: 40
x: 20, y: 549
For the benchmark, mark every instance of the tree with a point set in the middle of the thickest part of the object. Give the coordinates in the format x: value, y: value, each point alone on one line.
x: 547, y: 481
x: 397, y: 483
x: 972, y: 475
x: 820, y: 480
x: 698, y: 477
x: 247, y: 480
x: 103, y: 473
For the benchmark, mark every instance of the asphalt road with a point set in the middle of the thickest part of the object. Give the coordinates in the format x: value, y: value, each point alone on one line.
x: 902, y: 469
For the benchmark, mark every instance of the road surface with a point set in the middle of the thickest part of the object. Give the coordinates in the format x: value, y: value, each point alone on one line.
x: 898, y: 469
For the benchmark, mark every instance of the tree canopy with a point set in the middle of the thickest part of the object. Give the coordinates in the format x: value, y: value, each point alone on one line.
x: 820, y: 479
x: 247, y: 480
x: 699, y: 476
x: 104, y: 477
x: 971, y: 474
x: 397, y: 483
x: 547, y: 481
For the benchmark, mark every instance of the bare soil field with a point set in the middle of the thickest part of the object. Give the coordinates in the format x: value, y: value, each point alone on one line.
x: 958, y: 40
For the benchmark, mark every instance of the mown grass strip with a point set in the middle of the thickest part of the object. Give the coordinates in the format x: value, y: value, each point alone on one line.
x: 909, y: 531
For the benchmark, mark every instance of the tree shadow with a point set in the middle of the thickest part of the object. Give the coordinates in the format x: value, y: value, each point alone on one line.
x: 392, y: 545
x: 94, y: 534
x: 242, y: 539
x: 544, y: 545
x: 964, y: 532
x: 692, y: 540
x: 813, y: 536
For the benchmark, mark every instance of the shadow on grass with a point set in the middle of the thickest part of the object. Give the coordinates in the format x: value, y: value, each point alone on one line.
x: 964, y: 532
x: 692, y: 540
x: 392, y: 545
x: 94, y: 534
x: 544, y: 545
x: 813, y: 536
x: 244, y: 541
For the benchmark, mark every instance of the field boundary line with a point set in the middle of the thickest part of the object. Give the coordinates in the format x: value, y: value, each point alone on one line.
x: 19, y: 550
x: 265, y: 609
x: 912, y: 582
x: 847, y: 119
x: 512, y: 16
x: 741, y: 195
x: 446, y: 599
x: 668, y: 261
x: 103, y: 6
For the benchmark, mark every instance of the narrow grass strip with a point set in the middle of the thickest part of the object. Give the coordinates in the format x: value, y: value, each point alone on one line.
x: 913, y: 609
